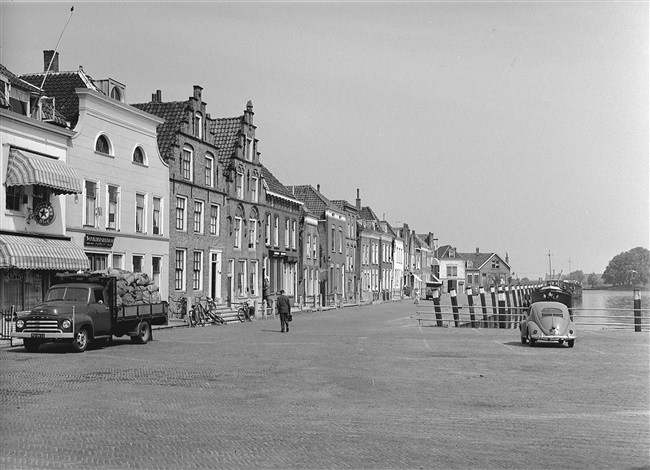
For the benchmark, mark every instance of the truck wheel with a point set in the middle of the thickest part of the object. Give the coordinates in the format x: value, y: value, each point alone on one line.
x: 81, y: 341
x: 144, y: 333
x: 31, y: 345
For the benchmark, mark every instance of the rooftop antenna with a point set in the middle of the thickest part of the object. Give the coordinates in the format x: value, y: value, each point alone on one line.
x: 57, y: 47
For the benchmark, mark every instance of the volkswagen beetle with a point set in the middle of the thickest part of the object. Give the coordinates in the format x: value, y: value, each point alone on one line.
x: 549, y: 318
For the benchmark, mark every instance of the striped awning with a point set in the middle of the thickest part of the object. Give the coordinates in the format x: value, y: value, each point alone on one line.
x: 41, y: 253
x: 26, y: 169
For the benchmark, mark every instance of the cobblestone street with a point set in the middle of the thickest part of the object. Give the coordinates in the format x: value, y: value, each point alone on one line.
x: 361, y: 387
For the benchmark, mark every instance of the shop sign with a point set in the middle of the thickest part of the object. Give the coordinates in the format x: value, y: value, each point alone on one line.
x: 98, y: 240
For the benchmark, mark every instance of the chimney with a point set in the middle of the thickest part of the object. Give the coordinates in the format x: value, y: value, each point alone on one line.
x: 197, y: 92
x: 156, y: 97
x: 477, y: 252
x: 53, y: 57
x: 358, y: 200
x: 318, y: 188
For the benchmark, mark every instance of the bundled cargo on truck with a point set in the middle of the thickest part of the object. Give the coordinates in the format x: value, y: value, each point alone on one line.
x: 133, y: 288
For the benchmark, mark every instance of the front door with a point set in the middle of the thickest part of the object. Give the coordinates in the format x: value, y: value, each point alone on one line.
x: 215, y: 276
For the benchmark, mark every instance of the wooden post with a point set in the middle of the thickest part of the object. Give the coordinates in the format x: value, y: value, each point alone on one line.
x: 436, y: 307
x: 470, y: 302
x: 454, y: 307
x: 502, y: 308
x: 273, y: 307
x: 637, y: 310
x: 481, y: 292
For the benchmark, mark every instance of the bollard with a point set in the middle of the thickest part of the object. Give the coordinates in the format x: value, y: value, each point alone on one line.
x: 436, y: 307
x: 470, y: 302
x: 481, y: 292
x: 508, y: 311
x: 495, y: 318
x: 454, y: 307
x: 637, y: 310
x: 502, y: 308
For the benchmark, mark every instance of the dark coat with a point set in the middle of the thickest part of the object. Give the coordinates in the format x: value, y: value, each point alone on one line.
x: 284, y: 304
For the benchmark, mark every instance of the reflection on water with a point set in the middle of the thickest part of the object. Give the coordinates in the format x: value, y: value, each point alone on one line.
x: 609, y: 307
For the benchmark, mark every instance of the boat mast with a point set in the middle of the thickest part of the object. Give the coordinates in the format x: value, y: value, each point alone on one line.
x: 550, y: 269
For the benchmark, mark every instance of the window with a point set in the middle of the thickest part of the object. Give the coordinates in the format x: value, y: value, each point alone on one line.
x: 215, y: 213
x: 276, y: 231
x: 495, y: 264
x: 103, y: 145
x: 138, y: 156
x: 293, y: 234
x: 157, y: 213
x: 252, y: 233
x: 186, y: 163
x: 340, y: 239
x: 14, y: 197
x: 240, y: 185
x: 140, y: 216
x: 267, y: 230
x: 241, y: 279
x: 237, y: 240
x: 254, y: 191
x: 179, y: 273
x: 118, y: 261
x: 197, y: 278
x: 209, y: 170
x: 156, y: 264
x: 198, y: 125
x: 90, y: 201
x: 452, y: 271
x: 113, y: 210
x: 308, y: 246
x: 137, y: 263
x: 286, y: 233
x: 181, y: 214
x: 98, y: 262
x: 315, y: 246
x: 333, y: 239
x: 249, y: 149
x: 253, y: 278
x: 198, y: 217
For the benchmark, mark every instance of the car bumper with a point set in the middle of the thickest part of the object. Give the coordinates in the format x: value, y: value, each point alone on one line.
x: 31, y: 335
x: 552, y: 338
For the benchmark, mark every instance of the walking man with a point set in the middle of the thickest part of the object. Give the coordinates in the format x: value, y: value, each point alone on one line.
x: 284, y: 309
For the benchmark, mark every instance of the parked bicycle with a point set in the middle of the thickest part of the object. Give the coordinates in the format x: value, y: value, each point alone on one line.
x: 177, y: 307
x: 243, y: 312
x: 209, y: 310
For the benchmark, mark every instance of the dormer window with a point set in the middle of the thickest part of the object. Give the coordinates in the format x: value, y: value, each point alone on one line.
x: 116, y: 94
x: 103, y: 145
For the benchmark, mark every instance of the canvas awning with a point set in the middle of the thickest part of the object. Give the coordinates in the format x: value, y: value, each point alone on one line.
x: 41, y: 253
x: 417, y: 278
x: 26, y: 169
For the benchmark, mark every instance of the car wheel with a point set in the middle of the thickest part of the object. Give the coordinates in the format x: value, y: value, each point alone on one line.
x: 31, y: 345
x: 531, y: 342
x: 81, y: 341
x: 523, y: 340
x: 144, y: 334
x: 570, y: 342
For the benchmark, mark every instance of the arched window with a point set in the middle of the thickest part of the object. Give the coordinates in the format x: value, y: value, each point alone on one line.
x: 138, y: 156
x: 103, y: 145
x: 116, y: 94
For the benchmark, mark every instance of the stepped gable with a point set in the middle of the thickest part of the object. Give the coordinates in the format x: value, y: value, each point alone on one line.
x: 62, y: 86
x: 274, y: 184
x: 226, y: 132
x: 174, y: 113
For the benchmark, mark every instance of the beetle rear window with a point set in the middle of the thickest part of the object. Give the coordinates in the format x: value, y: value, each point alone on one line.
x: 552, y: 312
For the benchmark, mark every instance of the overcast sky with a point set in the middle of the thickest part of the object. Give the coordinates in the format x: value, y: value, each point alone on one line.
x: 514, y: 127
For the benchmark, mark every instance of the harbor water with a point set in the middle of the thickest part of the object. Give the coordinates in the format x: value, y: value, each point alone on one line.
x: 609, y: 308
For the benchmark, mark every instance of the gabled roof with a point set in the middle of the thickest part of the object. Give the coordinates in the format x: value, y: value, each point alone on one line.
x: 17, y: 81
x: 276, y: 187
x: 443, y: 252
x: 61, y: 86
x: 173, y: 112
x: 481, y: 259
x: 386, y: 228
x: 314, y: 201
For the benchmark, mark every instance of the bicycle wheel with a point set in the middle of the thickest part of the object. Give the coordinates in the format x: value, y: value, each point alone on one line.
x: 241, y: 314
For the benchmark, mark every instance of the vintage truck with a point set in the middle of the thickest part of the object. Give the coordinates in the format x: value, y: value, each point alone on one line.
x: 84, y: 307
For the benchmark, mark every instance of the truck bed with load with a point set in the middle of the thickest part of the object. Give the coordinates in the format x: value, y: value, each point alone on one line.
x: 88, y: 307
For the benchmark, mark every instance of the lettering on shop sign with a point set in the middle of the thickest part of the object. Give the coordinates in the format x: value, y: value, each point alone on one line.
x: 98, y: 240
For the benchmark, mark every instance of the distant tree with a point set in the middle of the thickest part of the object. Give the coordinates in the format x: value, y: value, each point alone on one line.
x: 525, y: 279
x: 577, y: 276
x: 629, y: 268
x: 593, y: 280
